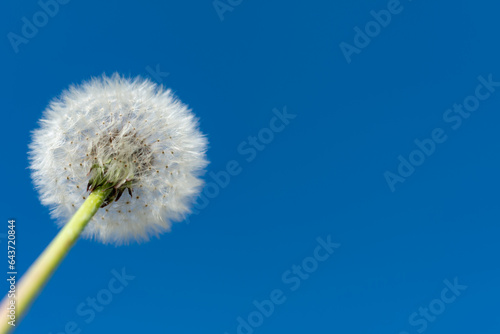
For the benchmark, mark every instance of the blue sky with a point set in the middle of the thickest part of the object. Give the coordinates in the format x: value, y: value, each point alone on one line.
x: 372, y: 207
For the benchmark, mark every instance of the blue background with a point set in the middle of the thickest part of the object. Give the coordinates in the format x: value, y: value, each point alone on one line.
x: 323, y: 175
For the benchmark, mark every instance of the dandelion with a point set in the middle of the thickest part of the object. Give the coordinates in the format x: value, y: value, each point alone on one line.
x: 122, y: 144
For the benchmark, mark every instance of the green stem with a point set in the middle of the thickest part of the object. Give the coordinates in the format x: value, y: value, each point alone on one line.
x: 42, y: 269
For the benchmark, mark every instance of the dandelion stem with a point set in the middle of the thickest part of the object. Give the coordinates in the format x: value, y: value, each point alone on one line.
x: 42, y: 269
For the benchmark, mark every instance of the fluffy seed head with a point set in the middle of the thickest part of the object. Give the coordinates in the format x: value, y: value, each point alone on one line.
x: 129, y: 134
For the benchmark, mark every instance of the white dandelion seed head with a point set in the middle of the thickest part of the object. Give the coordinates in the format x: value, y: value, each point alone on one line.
x: 131, y: 133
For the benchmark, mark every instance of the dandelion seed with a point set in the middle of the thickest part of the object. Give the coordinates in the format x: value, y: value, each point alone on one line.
x: 121, y: 156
